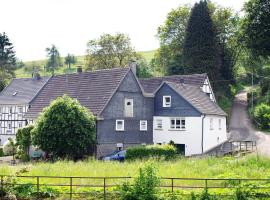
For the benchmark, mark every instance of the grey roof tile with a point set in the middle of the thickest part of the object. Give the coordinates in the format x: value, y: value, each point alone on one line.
x: 197, y: 98
x: 91, y: 89
x: 22, y: 90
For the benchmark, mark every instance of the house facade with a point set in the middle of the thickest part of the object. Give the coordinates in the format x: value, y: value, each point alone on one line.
x: 131, y: 111
x: 14, y: 104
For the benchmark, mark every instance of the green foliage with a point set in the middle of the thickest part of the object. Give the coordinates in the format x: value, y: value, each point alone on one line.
x: 109, y: 51
x: 143, y: 69
x: 1, y: 152
x: 10, y: 148
x: 151, y: 151
x: 23, y: 138
x: 262, y: 115
x: 54, y: 59
x: 144, y: 186
x: 69, y: 60
x: 256, y: 27
x: 65, y: 129
x: 200, y: 49
x: 7, y: 60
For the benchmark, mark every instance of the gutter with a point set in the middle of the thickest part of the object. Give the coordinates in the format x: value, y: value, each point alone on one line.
x: 203, y: 131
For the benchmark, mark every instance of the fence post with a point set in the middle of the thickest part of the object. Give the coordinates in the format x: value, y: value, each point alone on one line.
x: 206, y: 184
x: 104, y: 188
x: 2, y: 183
x: 70, y: 188
x: 172, y: 184
x: 246, y: 147
x: 37, y: 187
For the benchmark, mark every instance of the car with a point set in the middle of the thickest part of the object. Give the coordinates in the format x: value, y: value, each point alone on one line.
x: 117, y: 155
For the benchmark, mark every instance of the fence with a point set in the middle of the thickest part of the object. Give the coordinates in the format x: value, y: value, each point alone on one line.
x: 171, y: 184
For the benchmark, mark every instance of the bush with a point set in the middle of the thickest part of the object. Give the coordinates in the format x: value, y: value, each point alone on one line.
x: 9, y: 148
x: 1, y: 152
x: 262, y: 115
x: 156, y: 151
x: 23, y: 138
x: 144, y: 186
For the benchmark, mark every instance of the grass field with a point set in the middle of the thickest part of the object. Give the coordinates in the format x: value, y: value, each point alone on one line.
x: 22, y: 73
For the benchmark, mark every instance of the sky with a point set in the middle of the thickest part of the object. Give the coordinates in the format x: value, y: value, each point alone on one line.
x: 33, y: 25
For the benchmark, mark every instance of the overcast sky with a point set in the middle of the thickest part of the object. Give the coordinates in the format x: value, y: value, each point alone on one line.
x: 33, y: 25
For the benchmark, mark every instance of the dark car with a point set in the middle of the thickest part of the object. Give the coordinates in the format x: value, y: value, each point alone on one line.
x: 117, y: 155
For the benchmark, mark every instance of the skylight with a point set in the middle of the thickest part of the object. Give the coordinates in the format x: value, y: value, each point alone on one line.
x: 14, y: 94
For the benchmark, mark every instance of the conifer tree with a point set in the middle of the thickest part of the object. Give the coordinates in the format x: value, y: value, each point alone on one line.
x: 200, y: 53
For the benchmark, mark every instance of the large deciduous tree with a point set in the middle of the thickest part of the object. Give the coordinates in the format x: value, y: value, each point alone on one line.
x: 70, y: 59
x: 257, y: 27
x: 7, y: 60
x: 65, y: 129
x: 109, y: 51
x: 200, y: 52
x: 54, y: 59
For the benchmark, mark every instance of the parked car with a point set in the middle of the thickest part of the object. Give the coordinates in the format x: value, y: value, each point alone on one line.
x: 117, y: 155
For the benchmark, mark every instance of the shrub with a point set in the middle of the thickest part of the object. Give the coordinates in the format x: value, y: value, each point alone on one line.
x: 262, y: 115
x: 156, y: 151
x: 1, y: 152
x: 23, y: 138
x: 9, y: 148
x: 65, y: 129
x: 144, y: 186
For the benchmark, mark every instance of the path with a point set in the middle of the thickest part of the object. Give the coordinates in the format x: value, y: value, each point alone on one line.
x: 241, y: 128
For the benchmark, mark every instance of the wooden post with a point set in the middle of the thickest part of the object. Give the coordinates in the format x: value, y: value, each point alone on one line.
x: 104, y: 188
x: 70, y: 188
x: 2, y: 183
x: 246, y: 146
x: 172, y: 184
x: 206, y: 184
x: 37, y: 187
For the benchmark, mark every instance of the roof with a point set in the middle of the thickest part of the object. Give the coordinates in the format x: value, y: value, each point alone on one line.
x: 92, y: 89
x: 197, y: 98
x: 150, y: 85
x: 22, y: 90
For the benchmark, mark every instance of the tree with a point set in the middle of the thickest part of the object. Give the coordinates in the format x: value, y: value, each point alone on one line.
x: 256, y: 27
x: 200, y: 53
x: 7, y: 60
x: 109, y: 51
x: 171, y: 34
x: 23, y: 138
x: 65, y: 129
x: 54, y: 59
x: 70, y: 59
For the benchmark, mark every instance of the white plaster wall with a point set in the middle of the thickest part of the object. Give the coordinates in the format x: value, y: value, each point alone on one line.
x: 215, y: 136
x: 191, y: 137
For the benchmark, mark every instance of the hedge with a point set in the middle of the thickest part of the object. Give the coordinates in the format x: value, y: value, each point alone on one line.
x: 151, y: 151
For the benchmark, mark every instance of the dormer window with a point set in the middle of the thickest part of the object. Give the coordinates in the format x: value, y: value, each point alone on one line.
x: 166, y: 101
x: 128, y: 109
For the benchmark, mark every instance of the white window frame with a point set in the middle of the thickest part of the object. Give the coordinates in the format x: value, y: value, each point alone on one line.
x: 20, y: 124
x: 167, y: 104
x: 211, y: 122
x: 126, y: 112
x: 9, y: 124
x: 181, y: 126
x: 158, y: 124
x: 120, y: 128
x: 143, y: 127
x: 219, y: 124
x: 20, y: 108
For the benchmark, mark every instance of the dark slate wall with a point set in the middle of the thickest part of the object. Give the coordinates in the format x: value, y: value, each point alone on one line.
x: 179, y: 106
x: 143, y: 109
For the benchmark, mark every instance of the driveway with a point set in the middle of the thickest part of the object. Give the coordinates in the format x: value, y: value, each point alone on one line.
x: 241, y: 128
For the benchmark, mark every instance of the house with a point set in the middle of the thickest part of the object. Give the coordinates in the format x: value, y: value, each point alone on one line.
x: 15, y: 102
x: 131, y: 111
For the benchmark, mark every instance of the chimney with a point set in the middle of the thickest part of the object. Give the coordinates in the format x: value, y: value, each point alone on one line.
x: 79, y: 69
x: 132, y: 64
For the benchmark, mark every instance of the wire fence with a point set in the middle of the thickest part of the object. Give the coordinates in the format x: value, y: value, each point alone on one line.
x: 104, y: 185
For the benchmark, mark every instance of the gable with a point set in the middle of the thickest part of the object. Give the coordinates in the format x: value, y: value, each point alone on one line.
x: 179, y: 105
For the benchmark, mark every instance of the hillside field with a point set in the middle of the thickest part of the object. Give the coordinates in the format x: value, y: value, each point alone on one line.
x: 22, y: 73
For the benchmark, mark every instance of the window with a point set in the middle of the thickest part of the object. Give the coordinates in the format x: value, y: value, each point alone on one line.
x: 211, y: 124
x: 10, y: 109
x: 128, y: 108
x: 20, y: 125
x: 20, y: 110
x: 1, y: 110
x: 119, y: 126
x: 158, y: 123
x: 219, y: 124
x: 178, y: 124
x: 166, y: 101
x: 143, y: 125
x: 9, y: 125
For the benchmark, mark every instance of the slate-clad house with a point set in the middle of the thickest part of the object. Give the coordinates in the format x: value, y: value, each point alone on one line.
x: 14, y: 103
x: 132, y: 112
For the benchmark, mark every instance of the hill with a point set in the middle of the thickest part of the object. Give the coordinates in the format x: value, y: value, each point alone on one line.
x: 25, y: 72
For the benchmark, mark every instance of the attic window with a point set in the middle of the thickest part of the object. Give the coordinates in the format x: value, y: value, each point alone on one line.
x: 14, y: 94
x: 166, y: 101
x: 128, y: 109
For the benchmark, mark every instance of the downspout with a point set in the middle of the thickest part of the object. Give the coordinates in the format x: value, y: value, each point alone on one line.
x: 203, y: 131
